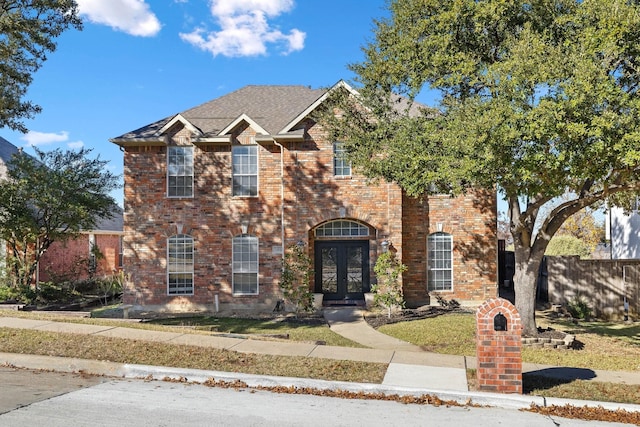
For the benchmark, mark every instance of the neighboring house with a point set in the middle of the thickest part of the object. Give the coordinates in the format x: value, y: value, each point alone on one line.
x: 623, y: 231
x: 215, y: 194
x: 94, y: 253
x: 77, y: 258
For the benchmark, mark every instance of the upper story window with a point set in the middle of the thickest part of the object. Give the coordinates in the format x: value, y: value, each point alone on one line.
x: 245, y: 265
x: 180, y: 172
x: 341, y: 165
x: 245, y: 170
x: 440, y: 262
x: 180, y: 265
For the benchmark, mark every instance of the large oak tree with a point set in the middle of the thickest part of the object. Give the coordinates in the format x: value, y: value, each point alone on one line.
x: 539, y: 98
x: 28, y: 29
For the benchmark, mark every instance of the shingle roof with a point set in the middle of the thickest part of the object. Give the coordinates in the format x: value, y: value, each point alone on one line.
x: 272, y: 107
x: 7, y: 150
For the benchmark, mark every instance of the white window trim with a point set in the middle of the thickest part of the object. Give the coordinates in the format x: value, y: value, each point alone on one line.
x: 343, y: 236
x: 334, y: 149
x: 257, y: 174
x: 182, y: 272
x: 193, y: 190
x: 233, y: 271
x: 451, y: 289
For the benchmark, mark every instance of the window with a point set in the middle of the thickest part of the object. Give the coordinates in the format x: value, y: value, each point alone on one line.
x: 180, y: 265
x: 439, y: 254
x: 245, y: 265
x: 180, y: 172
x: 93, y: 254
x: 245, y: 170
x: 121, y: 251
x: 342, y: 229
x: 341, y: 165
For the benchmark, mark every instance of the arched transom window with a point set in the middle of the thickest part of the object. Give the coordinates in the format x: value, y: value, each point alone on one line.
x: 342, y: 229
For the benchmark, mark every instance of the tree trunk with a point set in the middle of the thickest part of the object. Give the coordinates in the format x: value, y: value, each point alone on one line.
x: 525, y: 284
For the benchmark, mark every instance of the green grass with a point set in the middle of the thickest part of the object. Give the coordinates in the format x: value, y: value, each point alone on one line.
x: 448, y: 334
x: 299, y: 332
x: 606, y: 346
x: 296, y: 330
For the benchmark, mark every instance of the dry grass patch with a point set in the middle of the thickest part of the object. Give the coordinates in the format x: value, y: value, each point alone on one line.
x: 182, y: 356
x: 298, y: 332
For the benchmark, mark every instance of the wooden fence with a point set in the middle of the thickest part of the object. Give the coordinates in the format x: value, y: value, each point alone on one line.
x: 604, y: 284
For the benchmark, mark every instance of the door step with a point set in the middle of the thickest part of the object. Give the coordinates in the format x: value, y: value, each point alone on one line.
x: 344, y: 303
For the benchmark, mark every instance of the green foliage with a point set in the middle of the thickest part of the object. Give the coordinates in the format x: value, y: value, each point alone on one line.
x: 567, y: 245
x: 388, y: 290
x: 109, y: 286
x: 579, y: 308
x: 28, y: 31
x: 296, y: 277
x: 540, y: 99
x: 9, y: 293
x: 50, y: 198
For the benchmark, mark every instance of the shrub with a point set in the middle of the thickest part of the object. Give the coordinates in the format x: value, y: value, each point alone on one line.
x: 388, y: 290
x: 579, y: 308
x: 9, y: 293
x: 296, y: 278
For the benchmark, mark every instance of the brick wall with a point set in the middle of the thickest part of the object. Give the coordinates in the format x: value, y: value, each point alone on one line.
x: 69, y: 260
x: 312, y: 196
x: 499, y: 352
x: 471, y: 221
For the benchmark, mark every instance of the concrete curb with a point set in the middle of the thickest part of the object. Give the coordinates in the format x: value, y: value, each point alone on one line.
x: 121, y: 370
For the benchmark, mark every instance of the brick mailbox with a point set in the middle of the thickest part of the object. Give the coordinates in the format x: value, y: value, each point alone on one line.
x: 499, y: 347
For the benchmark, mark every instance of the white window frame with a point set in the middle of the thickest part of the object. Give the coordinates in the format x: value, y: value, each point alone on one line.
x: 180, y: 170
x: 183, y: 264
x: 341, y: 165
x: 342, y: 228
x: 242, y: 173
x: 439, y: 259
x: 246, y: 263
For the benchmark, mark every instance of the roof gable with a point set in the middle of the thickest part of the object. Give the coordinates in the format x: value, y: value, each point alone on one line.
x: 178, y: 119
x: 243, y: 118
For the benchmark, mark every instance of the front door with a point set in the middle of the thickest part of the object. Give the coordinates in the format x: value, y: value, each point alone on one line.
x: 342, y: 269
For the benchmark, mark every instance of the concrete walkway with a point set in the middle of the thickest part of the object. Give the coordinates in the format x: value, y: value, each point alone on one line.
x: 408, y: 365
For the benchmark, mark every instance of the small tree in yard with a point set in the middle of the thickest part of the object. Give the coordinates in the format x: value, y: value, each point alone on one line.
x: 388, y: 291
x: 50, y: 198
x: 296, y: 278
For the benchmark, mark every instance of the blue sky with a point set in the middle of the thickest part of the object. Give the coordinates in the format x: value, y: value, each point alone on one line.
x: 138, y: 61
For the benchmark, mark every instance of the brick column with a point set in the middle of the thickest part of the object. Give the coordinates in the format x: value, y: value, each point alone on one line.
x: 499, y: 347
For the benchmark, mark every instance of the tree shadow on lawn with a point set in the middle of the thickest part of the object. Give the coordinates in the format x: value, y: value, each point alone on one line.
x: 548, y: 378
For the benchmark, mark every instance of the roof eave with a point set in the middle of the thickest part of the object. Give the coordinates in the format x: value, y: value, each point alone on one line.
x: 316, y: 103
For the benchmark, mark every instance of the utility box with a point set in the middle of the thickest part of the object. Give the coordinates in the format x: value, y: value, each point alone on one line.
x: 499, y: 347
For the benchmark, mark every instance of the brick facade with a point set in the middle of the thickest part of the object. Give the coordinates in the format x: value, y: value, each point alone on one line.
x: 70, y: 260
x: 297, y: 192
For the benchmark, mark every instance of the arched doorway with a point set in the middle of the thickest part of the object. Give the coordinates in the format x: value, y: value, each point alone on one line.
x: 341, y: 260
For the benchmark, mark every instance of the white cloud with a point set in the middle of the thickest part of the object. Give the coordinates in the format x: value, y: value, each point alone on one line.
x: 129, y: 16
x: 75, y: 145
x: 245, y: 29
x: 34, y: 138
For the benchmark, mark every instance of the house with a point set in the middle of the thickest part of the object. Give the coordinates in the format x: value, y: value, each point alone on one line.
x: 623, y: 231
x: 215, y: 194
x: 92, y: 252
x: 96, y: 253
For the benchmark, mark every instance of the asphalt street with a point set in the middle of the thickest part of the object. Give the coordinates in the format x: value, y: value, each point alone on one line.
x: 62, y: 400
